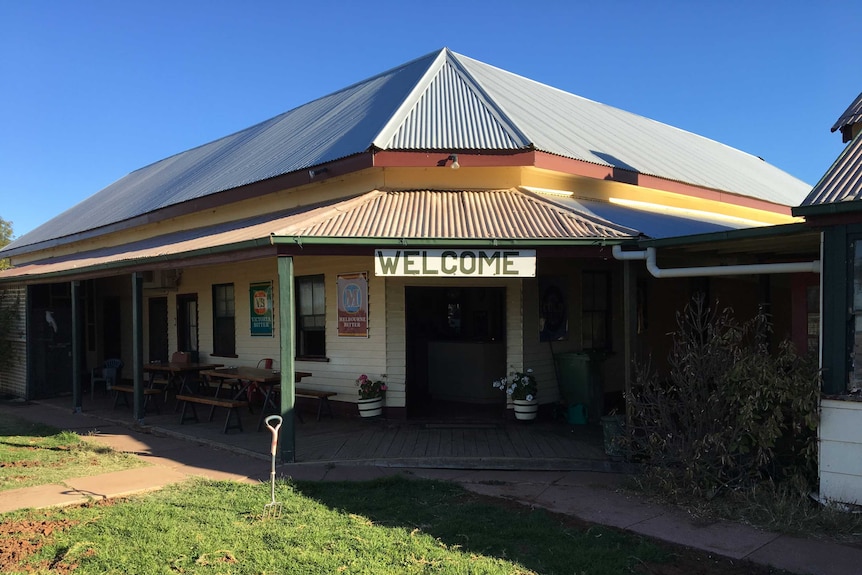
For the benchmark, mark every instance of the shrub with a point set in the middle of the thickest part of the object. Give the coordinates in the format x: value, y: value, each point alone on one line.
x: 731, y: 413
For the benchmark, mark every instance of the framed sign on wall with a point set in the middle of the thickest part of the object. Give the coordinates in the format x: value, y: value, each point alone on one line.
x: 353, y: 304
x: 260, y: 308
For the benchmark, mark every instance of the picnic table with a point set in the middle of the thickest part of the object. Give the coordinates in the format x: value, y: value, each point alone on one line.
x: 239, y: 380
x: 177, y: 373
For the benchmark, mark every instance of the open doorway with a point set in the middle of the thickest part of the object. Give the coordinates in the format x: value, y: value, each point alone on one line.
x: 456, y: 347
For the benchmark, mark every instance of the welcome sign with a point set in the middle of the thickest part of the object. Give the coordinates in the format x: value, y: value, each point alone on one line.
x: 456, y: 263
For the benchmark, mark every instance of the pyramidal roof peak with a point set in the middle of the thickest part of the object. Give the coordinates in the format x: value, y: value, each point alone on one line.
x: 449, y: 109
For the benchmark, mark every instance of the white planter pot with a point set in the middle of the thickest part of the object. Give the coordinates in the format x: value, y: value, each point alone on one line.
x: 371, y: 407
x: 525, y: 410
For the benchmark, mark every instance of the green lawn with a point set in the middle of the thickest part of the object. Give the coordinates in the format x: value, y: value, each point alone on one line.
x: 388, y: 526
x: 34, y: 454
x: 392, y: 526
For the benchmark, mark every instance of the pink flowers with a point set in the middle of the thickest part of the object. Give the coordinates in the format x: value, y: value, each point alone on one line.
x: 369, y: 389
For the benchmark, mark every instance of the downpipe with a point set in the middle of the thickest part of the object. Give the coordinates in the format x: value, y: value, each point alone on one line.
x: 649, y: 256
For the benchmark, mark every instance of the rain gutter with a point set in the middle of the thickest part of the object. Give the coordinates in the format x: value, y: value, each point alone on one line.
x: 649, y: 255
x: 466, y: 242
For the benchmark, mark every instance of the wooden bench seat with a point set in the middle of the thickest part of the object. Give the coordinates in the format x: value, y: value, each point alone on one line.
x: 322, y: 398
x: 232, y: 406
x: 123, y: 391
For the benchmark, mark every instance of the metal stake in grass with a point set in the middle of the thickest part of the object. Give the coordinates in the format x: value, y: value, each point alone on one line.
x: 272, y: 510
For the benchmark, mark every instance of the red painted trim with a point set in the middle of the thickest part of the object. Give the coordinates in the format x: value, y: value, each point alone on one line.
x: 387, y: 159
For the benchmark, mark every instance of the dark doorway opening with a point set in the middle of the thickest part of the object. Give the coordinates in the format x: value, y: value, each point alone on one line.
x: 456, y: 348
x: 49, y: 337
x: 157, y: 321
x: 112, y: 328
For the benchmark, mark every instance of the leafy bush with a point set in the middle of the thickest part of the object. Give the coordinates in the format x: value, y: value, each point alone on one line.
x: 731, y: 413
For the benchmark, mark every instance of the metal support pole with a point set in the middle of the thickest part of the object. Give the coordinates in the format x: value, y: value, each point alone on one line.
x: 76, y: 347
x: 138, y: 345
x: 286, y: 330
x: 630, y: 328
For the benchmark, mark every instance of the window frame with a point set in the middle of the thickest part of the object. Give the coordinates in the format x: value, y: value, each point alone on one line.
x: 303, y: 331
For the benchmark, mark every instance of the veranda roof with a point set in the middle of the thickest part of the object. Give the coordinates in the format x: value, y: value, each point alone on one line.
x: 403, y: 217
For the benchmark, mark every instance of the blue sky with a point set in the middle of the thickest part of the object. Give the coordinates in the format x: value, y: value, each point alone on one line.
x: 92, y: 90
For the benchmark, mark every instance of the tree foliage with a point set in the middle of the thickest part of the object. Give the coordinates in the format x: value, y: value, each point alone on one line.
x: 730, y: 413
x: 5, y: 239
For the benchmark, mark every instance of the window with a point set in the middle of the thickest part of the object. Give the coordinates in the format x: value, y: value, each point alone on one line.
x: 310, y: 316
x: 224, y: 322
x: 596, y: 310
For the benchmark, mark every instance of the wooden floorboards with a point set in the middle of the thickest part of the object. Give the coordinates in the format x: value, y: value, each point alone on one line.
x: 380, y: 441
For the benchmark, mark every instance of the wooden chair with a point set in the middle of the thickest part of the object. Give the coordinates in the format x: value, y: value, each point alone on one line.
x: 254, y: 393
x: 265, y: 363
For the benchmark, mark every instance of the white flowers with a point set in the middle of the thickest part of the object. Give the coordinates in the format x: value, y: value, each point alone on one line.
x: 518, y: 385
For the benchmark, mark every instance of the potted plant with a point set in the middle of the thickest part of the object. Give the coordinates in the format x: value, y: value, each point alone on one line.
x: 521, y: 387
x: 371, y: 395
x: 613, y: 430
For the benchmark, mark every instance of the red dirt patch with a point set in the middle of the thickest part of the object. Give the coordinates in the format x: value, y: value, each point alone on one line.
x: 19, y: 540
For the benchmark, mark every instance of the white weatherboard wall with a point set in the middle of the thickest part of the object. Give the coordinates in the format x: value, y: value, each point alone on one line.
x: 841, y: 451
x: 13, y: 376
x: 348, y: 357
x: 382, y: 352
x: 199, y: 281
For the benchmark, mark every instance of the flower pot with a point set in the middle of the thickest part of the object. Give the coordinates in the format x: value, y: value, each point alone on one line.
x: 371, y: 407
x: 526, y: 410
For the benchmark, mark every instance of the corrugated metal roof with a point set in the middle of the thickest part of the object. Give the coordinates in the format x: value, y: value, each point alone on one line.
x: 451, y: 112
x: 842, y: 182
x: 418, y: 215
x: 439, y: 101
x: 332, y: 127
x: 851, y: 115
x: 501, y: 214
x: 568, y: 125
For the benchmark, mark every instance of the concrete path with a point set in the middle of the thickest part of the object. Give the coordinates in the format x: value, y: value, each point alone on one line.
x: 590, y: 496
